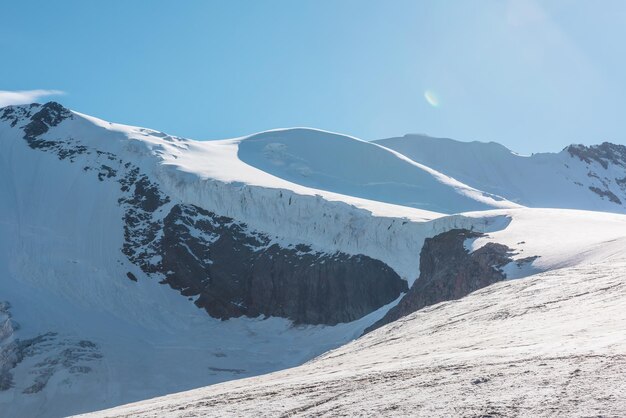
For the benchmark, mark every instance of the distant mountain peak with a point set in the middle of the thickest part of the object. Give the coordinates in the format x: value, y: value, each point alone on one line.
x: 568, y: 179
x: 39, y: 118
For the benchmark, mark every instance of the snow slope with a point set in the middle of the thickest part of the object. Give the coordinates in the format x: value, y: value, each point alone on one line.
x: 556, y: 180
x: 549, y: 345
x: 349, y: 166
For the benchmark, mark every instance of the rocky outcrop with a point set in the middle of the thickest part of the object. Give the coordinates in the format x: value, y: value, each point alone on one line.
x: 449, y: 271
x: 606, y: 193
x: 605, y: 154
x: 609, y: 156
x: 17, y: 114
x: 51, y: 114
x: 37, y: 120
x: 141, y: 199
x: 53, y: 353
x: 234, y: 271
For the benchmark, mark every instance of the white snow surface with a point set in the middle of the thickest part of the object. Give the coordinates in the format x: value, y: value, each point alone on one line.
x: 552, y: 344
x: 551, y: 180
x: 62, y: 270
x: 353, y: 167
x: 560, y: 237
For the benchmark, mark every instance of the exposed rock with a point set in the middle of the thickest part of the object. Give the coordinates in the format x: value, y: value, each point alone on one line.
x: 106, y: 172
x: 51, y: 114
x: 61, y: 354
x: 17, y: 114
x: 605, y: 153
x: 71, y: 359
x: 609, y: 156
x: 141, y: 227
x: 449, y: 271
x: 38, y: 121
x: 235, y: 271
x: 606, y: 193
x: 7, y: 325
x: 233, y: 371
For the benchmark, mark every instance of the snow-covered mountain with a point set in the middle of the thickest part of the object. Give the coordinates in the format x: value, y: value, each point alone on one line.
x: 580, y: 177
x: 135, y: 263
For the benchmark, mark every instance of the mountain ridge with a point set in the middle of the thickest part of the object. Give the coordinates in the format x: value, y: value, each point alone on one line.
x: 585, y: 177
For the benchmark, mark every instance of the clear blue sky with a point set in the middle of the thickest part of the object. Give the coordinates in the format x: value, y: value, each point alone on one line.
x: 532, y: 75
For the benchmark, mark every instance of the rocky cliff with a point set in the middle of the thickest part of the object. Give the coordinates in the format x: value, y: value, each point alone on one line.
x: 234, y: 271
x: 449, y: 271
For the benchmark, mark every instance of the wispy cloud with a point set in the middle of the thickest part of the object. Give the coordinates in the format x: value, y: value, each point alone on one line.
x: 8, y: 98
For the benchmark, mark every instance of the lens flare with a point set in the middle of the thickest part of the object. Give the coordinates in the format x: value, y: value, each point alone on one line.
x: 431, y: 98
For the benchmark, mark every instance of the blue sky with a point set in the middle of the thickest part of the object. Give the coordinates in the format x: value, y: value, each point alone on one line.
x: 532, y: 75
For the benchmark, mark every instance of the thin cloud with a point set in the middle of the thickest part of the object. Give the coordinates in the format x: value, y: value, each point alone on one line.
x: 8, y: 98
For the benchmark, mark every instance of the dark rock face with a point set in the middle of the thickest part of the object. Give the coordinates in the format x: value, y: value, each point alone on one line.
x: 605, y: 153
x: 141, y: 199
x: 51, y: 114
x: 448, y: 271
x: 606, y: 193
x: 232, y: 269
x: 16, y: 114
x: 235, y: 272
x: 38, y: 120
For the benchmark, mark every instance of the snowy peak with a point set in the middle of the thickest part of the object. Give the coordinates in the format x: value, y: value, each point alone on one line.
x: 35, y: 118
x: 580, y: 177
x: 349, y: 166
